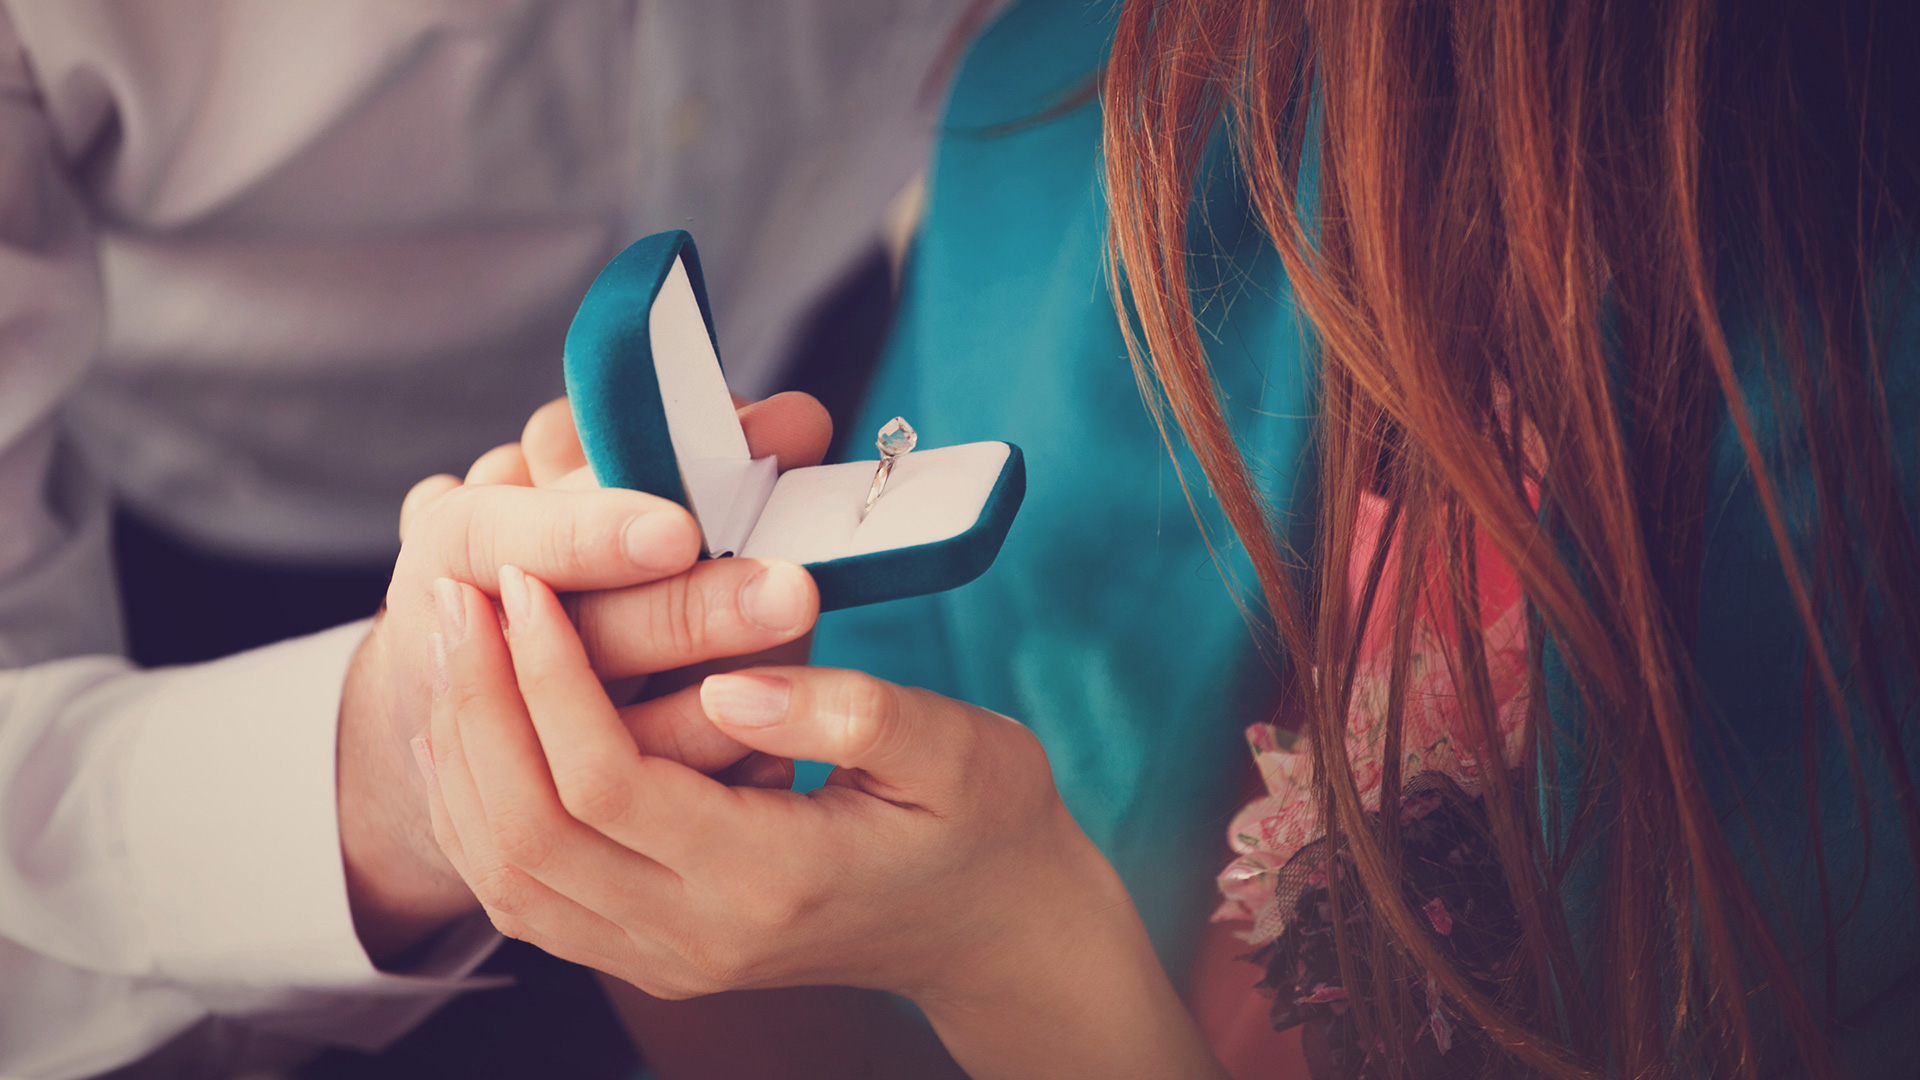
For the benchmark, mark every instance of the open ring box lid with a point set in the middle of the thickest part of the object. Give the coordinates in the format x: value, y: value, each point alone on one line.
x: 643, y: 375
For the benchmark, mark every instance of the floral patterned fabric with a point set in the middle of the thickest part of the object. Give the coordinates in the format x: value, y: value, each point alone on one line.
x: 1435, y: 740
x: 1279, y: 881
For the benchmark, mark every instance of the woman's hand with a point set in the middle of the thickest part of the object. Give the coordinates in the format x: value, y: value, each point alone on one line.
x: 643, y: 604
x: 938, y: 862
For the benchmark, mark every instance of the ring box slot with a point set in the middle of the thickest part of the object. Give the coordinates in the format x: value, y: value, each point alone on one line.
x: 651, y: 404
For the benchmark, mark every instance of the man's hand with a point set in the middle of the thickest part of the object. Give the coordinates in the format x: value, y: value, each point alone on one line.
x: 643, y: 603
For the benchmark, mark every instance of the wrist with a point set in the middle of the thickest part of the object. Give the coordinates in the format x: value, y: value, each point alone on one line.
x: 400, y: 887
x: 1072, y: 987
x: 1040, y: 930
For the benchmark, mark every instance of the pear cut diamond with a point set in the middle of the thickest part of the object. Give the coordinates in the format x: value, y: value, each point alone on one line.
x: 896, y: 438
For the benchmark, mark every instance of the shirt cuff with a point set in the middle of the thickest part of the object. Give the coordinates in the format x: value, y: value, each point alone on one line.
x: 233, y: 837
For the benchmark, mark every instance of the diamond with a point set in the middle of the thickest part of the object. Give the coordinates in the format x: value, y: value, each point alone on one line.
x: 896, y: 438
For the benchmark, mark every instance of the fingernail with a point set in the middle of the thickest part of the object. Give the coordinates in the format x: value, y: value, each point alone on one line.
x: 423, y: 759
x: 441, y: 681
x: 776, y: 597
x: 748, y: 701
x: 513, y: 594
x: 658, y: 542
x: 453, y: 611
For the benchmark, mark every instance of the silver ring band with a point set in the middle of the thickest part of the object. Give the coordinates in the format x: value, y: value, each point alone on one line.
x: 879, y: 484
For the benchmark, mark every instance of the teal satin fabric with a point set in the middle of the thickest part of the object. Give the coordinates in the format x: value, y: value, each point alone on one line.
x: 1106, y: 626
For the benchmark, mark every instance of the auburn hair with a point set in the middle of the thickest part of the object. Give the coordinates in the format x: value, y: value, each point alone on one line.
x: 1521, y: 230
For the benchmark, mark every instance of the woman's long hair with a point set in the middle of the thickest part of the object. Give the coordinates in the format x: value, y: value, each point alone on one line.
x: 1525, y: 229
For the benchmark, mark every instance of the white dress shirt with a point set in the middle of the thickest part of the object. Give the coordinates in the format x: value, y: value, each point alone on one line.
x: 264, y: 264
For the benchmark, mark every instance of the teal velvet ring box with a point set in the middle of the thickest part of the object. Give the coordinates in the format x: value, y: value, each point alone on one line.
x: 643, y: 376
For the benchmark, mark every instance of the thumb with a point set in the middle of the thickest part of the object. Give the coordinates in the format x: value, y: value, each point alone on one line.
x: 910, y: 739
x: 792, y: 427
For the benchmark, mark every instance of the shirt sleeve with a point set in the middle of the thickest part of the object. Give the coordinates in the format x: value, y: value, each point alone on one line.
x: 173, y: 856
x: 169, y: 846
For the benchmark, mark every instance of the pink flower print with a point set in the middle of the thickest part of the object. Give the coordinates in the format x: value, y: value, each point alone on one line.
x: 1436, y: 913
x: 1435, y: 736
x: 1270, y: 825
x: 1368, y: 705
x: 1367, y: 775
x: 1286, y: 771
x: 1468, y: 765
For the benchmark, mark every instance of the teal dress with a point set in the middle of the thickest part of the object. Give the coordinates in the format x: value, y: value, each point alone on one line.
x: 1106, y: 625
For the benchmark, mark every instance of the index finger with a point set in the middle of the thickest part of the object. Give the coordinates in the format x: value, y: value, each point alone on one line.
x: 601, y: 539
x: 652, y: 805
x: 913, y: 747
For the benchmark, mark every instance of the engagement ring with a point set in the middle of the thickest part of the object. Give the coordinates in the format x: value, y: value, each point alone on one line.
x: 895, y: 442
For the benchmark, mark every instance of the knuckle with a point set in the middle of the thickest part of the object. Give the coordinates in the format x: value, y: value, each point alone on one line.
x: 521, y: 838
x: 596, y: 795
x: 776, y: 913
x: 506, y: 925
x: 677, y: 615
x: 870, y: 712
x: 718, y: 964
x: 422, y: 496
x: 668, y: 975
x: 999, y: 743
x: 562, y: 544
x: 691, y: 625
x: 464, y: 531
x: 501, y: 889
x: 454, y: 513
x: 1022, y: 743
x: 1017, y: 760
